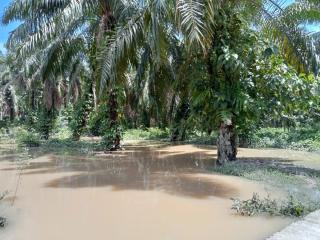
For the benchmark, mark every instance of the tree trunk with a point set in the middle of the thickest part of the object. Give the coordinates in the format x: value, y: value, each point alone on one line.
x: 12, y: 114
x: 226, y: 143
x: 179, y: 121
x: 113, y: 118
x: 47, y: 124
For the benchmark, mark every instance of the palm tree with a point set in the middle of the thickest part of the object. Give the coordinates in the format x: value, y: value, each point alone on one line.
x: 11, y: 81
x: 111, y: 36
x: 57, y: 35
x: 205, y: 24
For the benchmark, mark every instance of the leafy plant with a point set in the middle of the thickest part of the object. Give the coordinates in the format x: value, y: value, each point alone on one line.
x: 28, y: 138
x: 301, y: 138
x: 256, y: 205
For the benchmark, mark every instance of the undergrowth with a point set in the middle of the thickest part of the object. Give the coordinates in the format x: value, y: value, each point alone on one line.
x: 301, y: 186
x: 27, y: 138
x: 290, y: 207
x: 147, y: 134
x: 304, y: 139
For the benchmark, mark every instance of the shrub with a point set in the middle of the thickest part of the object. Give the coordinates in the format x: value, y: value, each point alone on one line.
x: 307, y: 139
x: 290, y: 207
x: 27, y: 138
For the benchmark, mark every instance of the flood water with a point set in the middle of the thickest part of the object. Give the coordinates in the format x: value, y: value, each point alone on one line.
x: 145, y: 192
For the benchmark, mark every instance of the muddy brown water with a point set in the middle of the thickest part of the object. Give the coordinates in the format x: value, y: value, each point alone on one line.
x: 145, y: 192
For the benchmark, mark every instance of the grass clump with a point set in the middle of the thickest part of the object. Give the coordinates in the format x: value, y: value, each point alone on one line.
x: 256, y: 205
x: 301, y: 185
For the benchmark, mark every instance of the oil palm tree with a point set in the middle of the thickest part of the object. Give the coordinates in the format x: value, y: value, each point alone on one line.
x: 206, y: 25
x: 109, y: 35
x: 57, y: 35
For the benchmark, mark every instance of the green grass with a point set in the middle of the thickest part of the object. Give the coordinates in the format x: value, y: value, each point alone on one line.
x: 300, y: 186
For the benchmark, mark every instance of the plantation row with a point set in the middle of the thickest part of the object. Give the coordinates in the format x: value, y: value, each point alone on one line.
x: 201, y: 66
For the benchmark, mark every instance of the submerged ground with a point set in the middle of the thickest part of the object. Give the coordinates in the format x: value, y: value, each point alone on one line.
x: 148, y: 191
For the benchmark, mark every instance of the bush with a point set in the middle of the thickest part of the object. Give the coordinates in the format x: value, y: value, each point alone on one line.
x: 46, y: 122
x: 27, y: 138
x: 3, y: 124
x: 307, y: 139
x: 289, y: 207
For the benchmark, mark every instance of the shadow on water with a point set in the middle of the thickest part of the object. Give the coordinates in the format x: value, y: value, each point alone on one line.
x: 177, y: 170
x: 169, y: 169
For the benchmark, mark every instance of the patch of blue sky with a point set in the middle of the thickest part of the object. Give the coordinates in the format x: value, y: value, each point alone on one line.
x: 5, y: 29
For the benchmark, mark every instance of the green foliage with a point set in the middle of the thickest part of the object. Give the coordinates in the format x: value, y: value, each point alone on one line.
x: 219, y: 95
x: 182, y: 64
x: 27, y: 138
x: 147, y: 134
x: 110, y: 136
x: 282, y: 97
x: 46, y: 121
x: 81, y: 114
x: 112, y: 120
x: 97, y: 122
x: 3, y: 124
x: 307, y: 139
x: 62, y: 133
x: 290, y: 207
x: 300, y: 183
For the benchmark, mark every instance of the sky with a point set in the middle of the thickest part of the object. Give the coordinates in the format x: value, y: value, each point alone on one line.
x: 5, y: 30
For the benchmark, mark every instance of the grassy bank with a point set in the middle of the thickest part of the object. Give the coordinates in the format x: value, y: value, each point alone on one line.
x: 300, y: 187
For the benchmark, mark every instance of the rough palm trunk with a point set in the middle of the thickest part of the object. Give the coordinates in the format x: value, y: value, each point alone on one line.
x: 226, y: 143
x: 9, y: 99
x: 179, y: 126
x: 47, y: 122
x: 113, y: 118
x: 33, y: 100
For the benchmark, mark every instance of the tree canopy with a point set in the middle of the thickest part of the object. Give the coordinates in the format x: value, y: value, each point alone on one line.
x: 189, y: 65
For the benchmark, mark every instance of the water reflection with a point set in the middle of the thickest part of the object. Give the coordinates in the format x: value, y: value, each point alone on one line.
x: 151, y: 192
x: 136, y: 168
